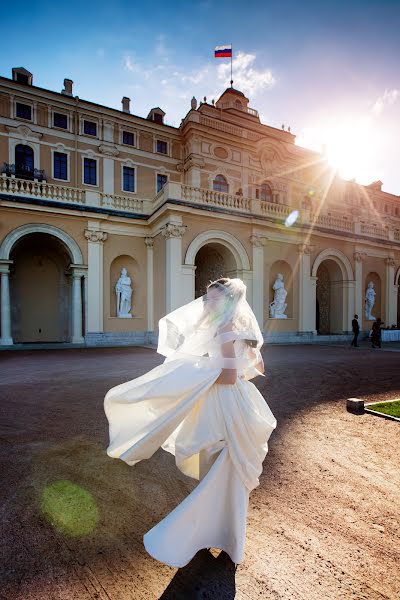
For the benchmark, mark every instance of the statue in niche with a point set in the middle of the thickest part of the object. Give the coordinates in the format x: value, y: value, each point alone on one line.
x: 369, y: 301
x: 123, y: 289
x: 278, y: 305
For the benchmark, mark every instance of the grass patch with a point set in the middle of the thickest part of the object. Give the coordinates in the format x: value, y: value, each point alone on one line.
x: 387, y: 408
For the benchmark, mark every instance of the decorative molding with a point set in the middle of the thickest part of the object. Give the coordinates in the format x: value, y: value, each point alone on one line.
x: 193, y: 162
x: 258, y: 241
x: 359, y: 256
x: 24, y: 131
x: 173, y: 230
x: 390, y: 262
x: 305, y: 249
x: 95, y: 236
x: 149, y: 241
x: 108, y: 150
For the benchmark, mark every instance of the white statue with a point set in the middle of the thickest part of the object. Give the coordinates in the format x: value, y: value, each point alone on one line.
x: 369, y: 301
x: 278, y: 306
x: 123, y: 290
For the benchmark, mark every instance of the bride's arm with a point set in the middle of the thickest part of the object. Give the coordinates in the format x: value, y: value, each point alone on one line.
x: 227, y: 376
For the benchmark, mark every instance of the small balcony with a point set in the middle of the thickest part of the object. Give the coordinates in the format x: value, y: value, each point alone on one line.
x: 22, y: 171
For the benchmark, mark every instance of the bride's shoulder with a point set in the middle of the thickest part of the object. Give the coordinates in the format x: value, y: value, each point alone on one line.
x: 225, y: 328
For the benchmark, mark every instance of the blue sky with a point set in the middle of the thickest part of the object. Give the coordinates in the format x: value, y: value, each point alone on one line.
x: 330, y: 70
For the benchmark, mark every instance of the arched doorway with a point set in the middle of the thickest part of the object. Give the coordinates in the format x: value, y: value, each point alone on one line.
x: 330, y: 298
x: 212, y: 262
x: 40, y: 289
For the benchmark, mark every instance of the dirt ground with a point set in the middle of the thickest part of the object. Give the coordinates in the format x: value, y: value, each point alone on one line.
x: 322, y: 525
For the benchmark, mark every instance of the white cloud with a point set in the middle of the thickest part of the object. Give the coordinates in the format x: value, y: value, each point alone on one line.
x: 130, y: 65
x: 388, y: 98
x: 171, y: 85
x: 246, y: 77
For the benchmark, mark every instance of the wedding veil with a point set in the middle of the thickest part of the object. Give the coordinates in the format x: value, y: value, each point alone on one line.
x: 198, y: 330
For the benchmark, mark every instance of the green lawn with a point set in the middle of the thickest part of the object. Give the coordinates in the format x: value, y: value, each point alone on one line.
x: 388, y: 408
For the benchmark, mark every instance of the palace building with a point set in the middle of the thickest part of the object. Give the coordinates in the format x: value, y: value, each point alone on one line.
x: 87, y: 191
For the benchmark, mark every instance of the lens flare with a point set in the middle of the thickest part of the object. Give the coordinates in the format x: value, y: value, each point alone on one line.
x: 292, y: 218
x: 69, y: 508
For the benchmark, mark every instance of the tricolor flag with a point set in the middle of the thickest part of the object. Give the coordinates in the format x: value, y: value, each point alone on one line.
x: 223, y: 51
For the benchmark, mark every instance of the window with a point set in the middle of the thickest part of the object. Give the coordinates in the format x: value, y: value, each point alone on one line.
x: 128, y: 138
x: 24, y: 162
x: 22, y: 78
x: 157, y: 118
x: 162, y: 147
x: 24, y: 111
x: 60, y: 121
x: 60, y: 166
x: 89, y: 128
x: 220, y: 184
x: 128, y: 179
x: 161, y: 181
x: 90, y: 175
x: 266, y: 193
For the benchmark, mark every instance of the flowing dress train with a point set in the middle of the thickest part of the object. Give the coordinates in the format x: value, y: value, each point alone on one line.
x: 218, y: 435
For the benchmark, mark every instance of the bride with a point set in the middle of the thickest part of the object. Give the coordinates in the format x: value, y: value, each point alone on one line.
x: 200, y: 406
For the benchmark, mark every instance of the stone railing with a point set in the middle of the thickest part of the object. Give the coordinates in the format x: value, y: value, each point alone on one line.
x: 375, y: 230
x: 332, y: 222
x: 180, y: 193
x: 71, y: 195
x: 41, y: 189
x: 214, y: 198
x: 124, y: 203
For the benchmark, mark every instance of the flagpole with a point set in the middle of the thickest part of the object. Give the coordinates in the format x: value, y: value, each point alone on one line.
x: 231, y: 65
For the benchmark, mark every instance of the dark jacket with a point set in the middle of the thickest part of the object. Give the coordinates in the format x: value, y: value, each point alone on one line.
x: 355, y: 325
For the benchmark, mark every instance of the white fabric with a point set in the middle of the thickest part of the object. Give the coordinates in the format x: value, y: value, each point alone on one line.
x: 218, y: 433
x: 388, y: 335
x: 221, y: 315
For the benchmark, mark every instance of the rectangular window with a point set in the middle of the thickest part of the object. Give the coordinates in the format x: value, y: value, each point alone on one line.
x: 90, y: 128
x: 60, y: 166
x: 24, y: 111
x: 60, y: 121
x: 162, y: 147
x: 90, y: 175
x: 128, y: 138
x: 161, y: 181
x: 129, y: 179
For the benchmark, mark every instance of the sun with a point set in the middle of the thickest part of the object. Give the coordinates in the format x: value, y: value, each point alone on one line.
x: 350, y: 145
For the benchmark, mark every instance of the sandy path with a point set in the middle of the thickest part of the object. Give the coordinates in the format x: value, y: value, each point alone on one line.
x: 322, y: 525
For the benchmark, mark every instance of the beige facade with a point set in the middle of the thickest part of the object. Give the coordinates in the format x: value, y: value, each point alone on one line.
x: 87, y: 190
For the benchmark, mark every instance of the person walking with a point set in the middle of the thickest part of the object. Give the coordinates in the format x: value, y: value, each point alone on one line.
x: 376, y: 334
x: 200, y: 406
x: 356, y: 330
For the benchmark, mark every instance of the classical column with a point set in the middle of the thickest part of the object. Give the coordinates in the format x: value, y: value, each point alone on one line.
x: 149, y: 241
x: 173, y: 233
x: 6, y: 339
x: 258, y: 243
x: 95, y: 240
x: 307, y: 292
x: 77, y: 272
x: 358, y: 288
x: 391, y: 293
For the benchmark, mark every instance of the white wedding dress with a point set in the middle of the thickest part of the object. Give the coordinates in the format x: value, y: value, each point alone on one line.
x: 218, y: 434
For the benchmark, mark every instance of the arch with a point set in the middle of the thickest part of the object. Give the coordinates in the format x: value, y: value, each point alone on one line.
x: 339, y: 258
x: 11, y: 239
x: 220, y: 184
x: 219, y: 237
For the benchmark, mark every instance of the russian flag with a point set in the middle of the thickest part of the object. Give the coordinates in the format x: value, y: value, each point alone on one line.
x: 223, y: 51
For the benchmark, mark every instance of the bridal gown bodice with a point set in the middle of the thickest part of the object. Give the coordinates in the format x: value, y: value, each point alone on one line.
x: 218, y: 434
